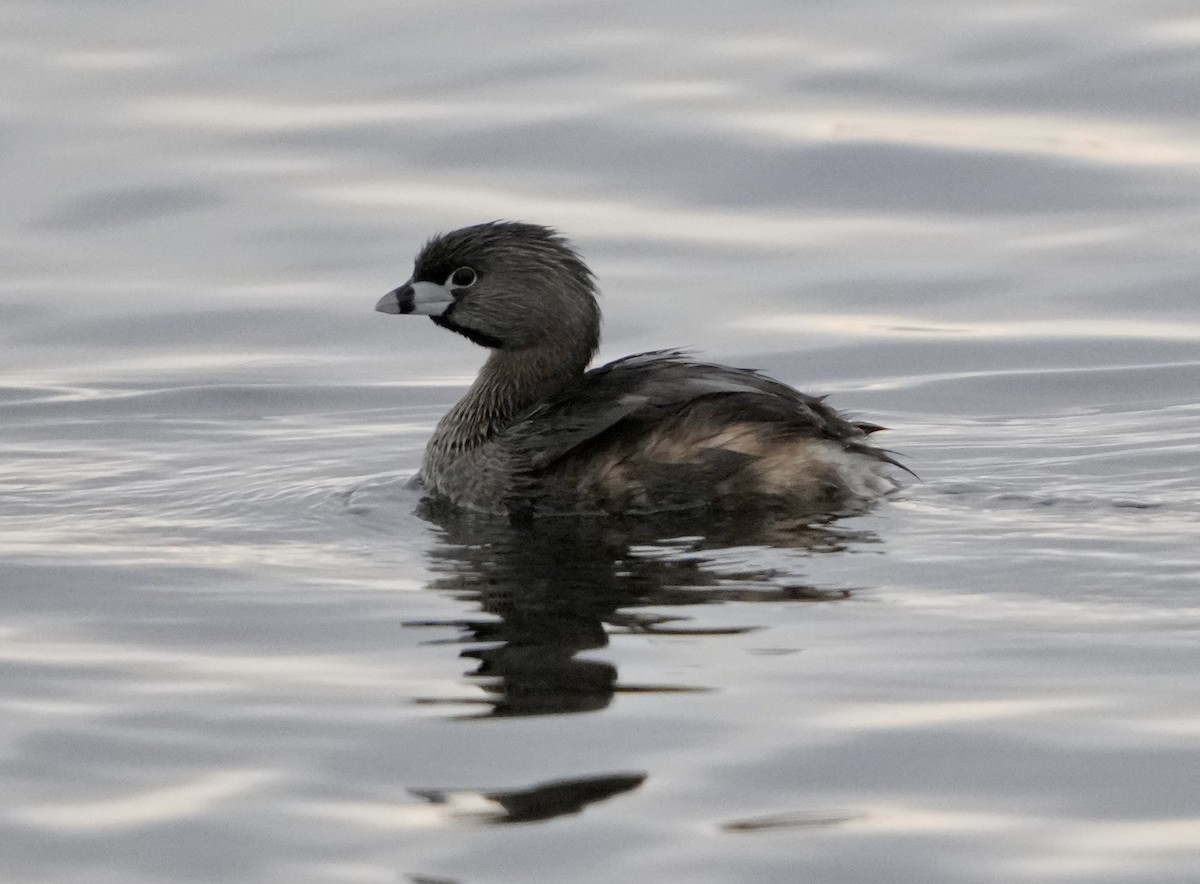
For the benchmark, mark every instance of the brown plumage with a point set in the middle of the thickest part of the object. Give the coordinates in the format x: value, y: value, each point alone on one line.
x: 537, y: 434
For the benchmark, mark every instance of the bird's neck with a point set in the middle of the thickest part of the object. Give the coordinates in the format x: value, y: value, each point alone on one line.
x: 508, y: 385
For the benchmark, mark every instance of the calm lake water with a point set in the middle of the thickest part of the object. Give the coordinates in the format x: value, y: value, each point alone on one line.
x: 233, y: 650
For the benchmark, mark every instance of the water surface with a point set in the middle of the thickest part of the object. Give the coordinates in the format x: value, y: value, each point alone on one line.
x: 235, y: 647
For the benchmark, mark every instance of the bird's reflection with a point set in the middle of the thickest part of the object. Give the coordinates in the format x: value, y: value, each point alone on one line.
x: 540, y: 802
x: 553, y: 589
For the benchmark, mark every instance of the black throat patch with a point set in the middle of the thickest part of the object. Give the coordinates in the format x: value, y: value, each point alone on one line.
x: 475, y: 337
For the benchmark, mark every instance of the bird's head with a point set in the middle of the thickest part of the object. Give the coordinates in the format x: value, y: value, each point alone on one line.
x: 504, y: 285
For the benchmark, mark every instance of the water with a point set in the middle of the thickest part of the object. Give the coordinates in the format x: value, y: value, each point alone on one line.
x: 234, y: 650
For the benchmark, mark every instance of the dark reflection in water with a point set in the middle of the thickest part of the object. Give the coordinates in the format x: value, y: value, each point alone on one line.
x: 799, y: 819
x: 557, y: 588
x: 541, y: 802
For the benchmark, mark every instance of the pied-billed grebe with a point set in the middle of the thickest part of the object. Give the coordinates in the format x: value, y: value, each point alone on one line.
x: 538, y: 434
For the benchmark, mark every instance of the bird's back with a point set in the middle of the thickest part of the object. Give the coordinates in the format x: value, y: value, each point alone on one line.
x: 659, y: 432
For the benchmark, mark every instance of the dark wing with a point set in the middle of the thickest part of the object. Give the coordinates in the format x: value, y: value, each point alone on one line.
x: 638, y: 392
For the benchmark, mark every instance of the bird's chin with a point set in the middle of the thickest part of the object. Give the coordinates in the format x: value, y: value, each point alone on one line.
x: 483, y: 339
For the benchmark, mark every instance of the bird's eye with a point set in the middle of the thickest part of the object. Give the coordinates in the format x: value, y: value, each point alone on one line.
x: 463, y: 277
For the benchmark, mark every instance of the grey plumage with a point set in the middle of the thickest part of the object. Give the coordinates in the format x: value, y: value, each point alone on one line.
x: 657, y: 431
